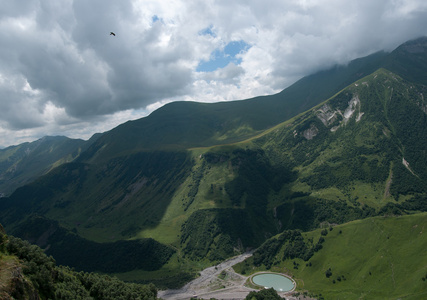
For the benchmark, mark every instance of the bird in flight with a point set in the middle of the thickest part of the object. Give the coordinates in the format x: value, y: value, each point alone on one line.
x: 112, y: 33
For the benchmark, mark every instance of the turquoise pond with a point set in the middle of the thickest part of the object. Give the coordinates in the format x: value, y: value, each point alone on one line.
x: 276, y: 281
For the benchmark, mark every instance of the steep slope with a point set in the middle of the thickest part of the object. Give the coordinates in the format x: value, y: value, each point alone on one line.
x: 348, y: 158
x: 409, y: 60
x: 353, y: 156
x: 25, y: 162
x: 129, y: 193
x: 192, y: 124
x: 372, y: 133
x: 27, y: 273
x: 356, y: 155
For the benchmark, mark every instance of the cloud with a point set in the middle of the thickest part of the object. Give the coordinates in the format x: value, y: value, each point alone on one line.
x: 61, y: 71
x: 220, y: 58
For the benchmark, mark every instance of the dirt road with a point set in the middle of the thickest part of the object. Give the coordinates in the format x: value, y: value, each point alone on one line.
x: 209, y: 285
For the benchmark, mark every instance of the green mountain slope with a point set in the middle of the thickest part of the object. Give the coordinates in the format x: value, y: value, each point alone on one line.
x: 353, y: 156
x: 27, y: 273
x: 192, y: 124
x: 23, y: 163
x: 372, y: 132
x: 409, y: 60
x: 131, y: 192
x: 374, y: 258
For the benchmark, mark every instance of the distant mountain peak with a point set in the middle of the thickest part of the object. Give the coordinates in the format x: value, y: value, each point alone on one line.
x: 415, y: 46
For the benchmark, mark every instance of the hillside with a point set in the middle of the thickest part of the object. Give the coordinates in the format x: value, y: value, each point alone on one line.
x: 190, y: 124
x: 181, y: 125
x: 23, y: 163
x: 354, y: 155
x: 27, y: 273
x: 374, y: 258
x: 228, y: 198
x: 360, y: 137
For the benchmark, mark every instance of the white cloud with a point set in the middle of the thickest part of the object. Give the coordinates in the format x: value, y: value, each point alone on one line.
x: 62, y: 73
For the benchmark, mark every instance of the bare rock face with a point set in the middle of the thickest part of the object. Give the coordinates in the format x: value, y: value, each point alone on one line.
x: 327, y: 115
x: 353, y: 104
x: 311, y: 132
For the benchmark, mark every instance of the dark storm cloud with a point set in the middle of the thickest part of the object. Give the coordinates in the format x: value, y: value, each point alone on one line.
x: 68, y: 56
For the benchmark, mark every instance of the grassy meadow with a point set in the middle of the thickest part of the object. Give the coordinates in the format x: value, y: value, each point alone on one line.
x: 374, y: 258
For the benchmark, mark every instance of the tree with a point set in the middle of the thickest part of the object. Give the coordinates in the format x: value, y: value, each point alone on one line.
x: 266, y: 294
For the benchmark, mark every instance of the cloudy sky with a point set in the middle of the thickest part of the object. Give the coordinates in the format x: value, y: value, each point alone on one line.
x: 62, y: 73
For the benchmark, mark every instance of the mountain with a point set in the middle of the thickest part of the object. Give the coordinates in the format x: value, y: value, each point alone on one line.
x: 182, y: 125
x: 190, y: 124
x: 202, y: 182
x: 409, y: 60
x: 23, y: 163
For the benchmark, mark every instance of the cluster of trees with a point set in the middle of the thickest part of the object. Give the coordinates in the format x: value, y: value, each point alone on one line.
x: 214, y: 233
x: 414, y: 204
x: 265, y: 294
x: 309, y: 212
x: 295, y: 246
x: 256, y: 178
x: 197, y: 176
x: 42, y: 278
x: 355, y: 162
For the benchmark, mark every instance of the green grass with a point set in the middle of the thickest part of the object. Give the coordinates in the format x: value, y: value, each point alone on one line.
x: 331, y: 193
x: 177, y: 272
x: 123, y: 192
x: 167, y: 232
x: 380, y: 258
x: 210, y: 194
x: 8, y: 264
x: 22, y: 164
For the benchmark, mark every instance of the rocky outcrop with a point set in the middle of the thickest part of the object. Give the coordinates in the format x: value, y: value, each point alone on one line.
x: 311, y: 132
x: 330, y: 117
x: 327, y: 115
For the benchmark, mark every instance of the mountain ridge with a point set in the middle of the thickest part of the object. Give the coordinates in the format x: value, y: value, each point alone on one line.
x: 23, y: 163
x: 194, y: 124
x: 216, y: 123
x: 253, y: 168
x: 341, y: 160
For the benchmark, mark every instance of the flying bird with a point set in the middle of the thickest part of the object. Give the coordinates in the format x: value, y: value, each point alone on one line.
x: 112, y: 33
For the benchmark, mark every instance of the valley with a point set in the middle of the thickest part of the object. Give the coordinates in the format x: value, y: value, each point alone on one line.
x: 325, y: 181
